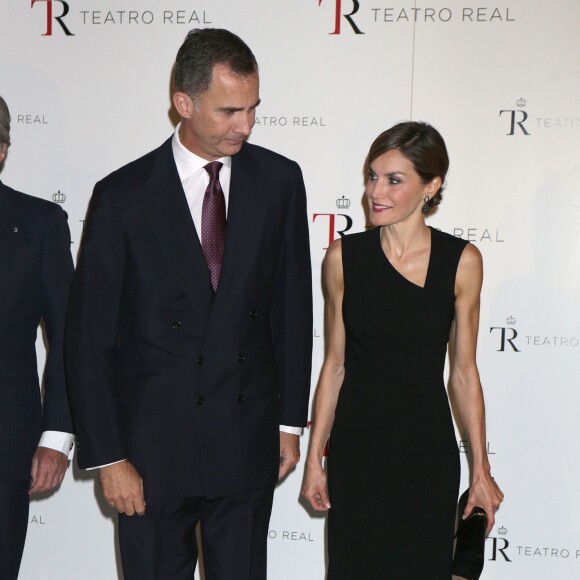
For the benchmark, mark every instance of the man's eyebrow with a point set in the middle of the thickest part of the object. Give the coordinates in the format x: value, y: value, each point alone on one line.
x: 236, y: 109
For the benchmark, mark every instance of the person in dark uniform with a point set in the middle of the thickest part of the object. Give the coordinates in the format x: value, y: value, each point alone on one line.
x: 395, y: 295
x: 36, y: 269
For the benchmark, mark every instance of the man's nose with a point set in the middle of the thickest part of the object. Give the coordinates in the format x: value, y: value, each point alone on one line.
x: 245, y: 124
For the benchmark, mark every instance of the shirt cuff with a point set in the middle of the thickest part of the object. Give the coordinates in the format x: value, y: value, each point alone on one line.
x: 291, y: 430
x: 58, y: 440
x: 106, y: 465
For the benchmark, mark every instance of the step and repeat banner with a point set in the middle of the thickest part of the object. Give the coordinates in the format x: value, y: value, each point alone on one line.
x: 88, y: 85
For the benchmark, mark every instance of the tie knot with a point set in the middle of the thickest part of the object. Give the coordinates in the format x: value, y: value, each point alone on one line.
x: 213, y: 170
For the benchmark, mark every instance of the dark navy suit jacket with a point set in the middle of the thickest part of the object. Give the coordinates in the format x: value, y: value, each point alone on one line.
x: 35, y: 273
x: 190, y: 386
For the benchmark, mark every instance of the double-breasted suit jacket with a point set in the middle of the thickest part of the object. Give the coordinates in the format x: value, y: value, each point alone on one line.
x: 189, y: 385
x: 35, y: 273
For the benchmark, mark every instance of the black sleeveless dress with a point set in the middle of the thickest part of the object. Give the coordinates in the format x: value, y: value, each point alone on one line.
x: 393, y: 462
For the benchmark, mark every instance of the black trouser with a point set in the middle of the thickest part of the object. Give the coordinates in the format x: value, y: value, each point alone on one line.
x: 161, y: 545
x: 14, y: 502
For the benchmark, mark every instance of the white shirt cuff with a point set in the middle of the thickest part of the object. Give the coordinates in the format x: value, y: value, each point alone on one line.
x: 106, y: 465
x: 291, y: 430
x: 58, y: 440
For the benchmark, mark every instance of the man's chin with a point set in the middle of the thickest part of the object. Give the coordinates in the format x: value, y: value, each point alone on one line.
x: 231, y: 147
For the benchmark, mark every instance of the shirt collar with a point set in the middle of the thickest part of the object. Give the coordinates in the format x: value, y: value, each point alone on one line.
x: 187, y: 162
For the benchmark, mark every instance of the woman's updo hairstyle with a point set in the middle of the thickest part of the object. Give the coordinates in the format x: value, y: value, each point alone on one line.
x: 422, y: 145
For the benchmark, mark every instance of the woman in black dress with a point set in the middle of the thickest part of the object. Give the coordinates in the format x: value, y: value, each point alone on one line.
x: 395, y: 295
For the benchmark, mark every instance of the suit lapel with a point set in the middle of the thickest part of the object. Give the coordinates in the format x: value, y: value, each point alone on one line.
x: 173, y: 227
x: 247, y: 209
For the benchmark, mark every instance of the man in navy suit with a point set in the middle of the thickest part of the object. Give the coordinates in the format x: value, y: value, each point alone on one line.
x: 35, y: 436
x: 189, y: 336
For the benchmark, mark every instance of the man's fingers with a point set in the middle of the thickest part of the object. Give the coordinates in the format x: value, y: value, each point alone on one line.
x: 33, y: 472
x: 129, y: 508
x: 139, y: 506
x: 282, y: 471
x: 123, y: 488
x: 40, y: 481
x: 285, y: 467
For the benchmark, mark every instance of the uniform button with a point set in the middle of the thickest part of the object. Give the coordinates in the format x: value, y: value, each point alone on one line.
x: 240, y: 398
x: 253, y: 314
x: 200, y: 360
x: 200, y: 401
x: 176, y: 325
x: 241, y: 357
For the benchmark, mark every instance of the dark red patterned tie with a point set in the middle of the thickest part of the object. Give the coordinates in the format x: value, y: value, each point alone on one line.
x: 213, y: 223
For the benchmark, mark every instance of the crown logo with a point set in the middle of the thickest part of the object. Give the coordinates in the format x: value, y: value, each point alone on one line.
x: 343, y: 202
x: 502, y: 531
x: 58, y: 197
x: 510, y: 320
x: 521, y: 102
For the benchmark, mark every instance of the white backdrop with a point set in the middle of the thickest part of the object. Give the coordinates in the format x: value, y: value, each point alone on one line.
x: 89, y: 91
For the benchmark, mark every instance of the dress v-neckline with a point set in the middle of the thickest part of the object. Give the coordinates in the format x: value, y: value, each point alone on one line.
x: 397, y: 271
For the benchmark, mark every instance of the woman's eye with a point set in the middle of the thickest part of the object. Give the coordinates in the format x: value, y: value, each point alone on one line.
x: 394, y: 181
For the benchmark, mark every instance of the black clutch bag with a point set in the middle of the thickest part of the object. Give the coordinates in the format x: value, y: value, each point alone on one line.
x: 470, y: 541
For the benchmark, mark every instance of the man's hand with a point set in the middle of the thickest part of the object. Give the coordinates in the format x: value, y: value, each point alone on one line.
x: 123, y: 488
x: 48, y: 469
x: 289, y: 453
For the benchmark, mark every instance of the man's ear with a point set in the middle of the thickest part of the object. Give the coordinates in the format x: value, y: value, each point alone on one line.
x: 183, y: 104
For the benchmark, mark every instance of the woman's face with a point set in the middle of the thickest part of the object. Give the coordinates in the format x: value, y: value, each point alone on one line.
x: 394, y: 189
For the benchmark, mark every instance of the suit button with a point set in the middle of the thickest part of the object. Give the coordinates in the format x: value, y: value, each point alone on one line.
x: 241, y: 357
x: 240, y: 398
x: 253, y: 314
x: 200, y: 360
x: 176, y: 325
x: 200, y: 401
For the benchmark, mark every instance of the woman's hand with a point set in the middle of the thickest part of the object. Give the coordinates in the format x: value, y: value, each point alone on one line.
x: 485, y: 493
x: 314, y: 487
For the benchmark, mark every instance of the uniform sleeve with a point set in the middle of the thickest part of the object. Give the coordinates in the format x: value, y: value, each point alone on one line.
x: 56, y: 275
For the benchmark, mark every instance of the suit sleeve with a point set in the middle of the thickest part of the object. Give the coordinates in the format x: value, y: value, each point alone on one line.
x: 292, y: 311
x: 92, y: 331
x: 56, y: 276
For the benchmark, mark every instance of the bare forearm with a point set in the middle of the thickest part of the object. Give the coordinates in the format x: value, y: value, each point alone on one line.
x: 467, y: 393
x: 331, y: 379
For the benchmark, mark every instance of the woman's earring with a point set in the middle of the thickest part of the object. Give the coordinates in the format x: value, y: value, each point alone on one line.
x: 426, y: 208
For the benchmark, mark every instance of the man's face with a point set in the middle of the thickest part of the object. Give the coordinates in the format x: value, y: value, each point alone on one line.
x: 217, y: 122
